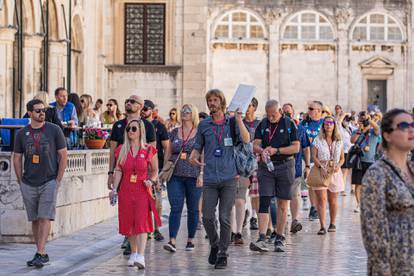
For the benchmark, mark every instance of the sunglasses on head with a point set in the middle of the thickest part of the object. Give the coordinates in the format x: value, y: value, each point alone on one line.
x: 109, y: 105
x: 186, y: 110
x: 131, y: 101
x: 133, y: 129
x: 41, y: 110
x: 404, y: 126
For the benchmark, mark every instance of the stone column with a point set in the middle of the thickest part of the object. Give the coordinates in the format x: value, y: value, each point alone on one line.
x: 6, y: 71
x: 32, y: 68
x: 57, y: 66
x: 195, y: 49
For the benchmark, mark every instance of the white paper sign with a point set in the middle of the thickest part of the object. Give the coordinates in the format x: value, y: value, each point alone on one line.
x: 242, y: 98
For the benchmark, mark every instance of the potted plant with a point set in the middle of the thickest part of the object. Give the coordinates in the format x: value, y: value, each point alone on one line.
x: 95, y: 138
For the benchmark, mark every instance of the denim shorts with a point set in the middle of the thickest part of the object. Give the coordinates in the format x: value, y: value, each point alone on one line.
x: 40, y: 201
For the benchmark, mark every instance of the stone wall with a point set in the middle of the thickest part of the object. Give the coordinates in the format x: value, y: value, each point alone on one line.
x: 82, y: 197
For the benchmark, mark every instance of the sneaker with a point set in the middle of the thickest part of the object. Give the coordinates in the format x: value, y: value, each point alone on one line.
x: 246, y: 215
x: 189, y: 246
x: 221, y: 262
x: 313, y: 214
x: 170, y: 247
x: 127, y: 250
x: 233, y: 235
x: 131, y: 260
x: 322, y: 231
x: 213, y: 255
x: 295, y: 226
x: 253, y: 224
x: 38, y: 260
x: 356, y: 210
x: 272, y: 237
x: 268, y: 233
x: 125, y: 243
x: 238, y: 239
x: 279, y: 243
x: 158, y: 236
x: 139, y: 261
x: 332, y: 228
x: 259, y: 246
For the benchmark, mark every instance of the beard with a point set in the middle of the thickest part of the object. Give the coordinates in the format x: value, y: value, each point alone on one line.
x: 213, y: 108
x: 39, y: 119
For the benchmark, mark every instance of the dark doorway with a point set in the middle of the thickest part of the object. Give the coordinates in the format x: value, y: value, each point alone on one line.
x: 377, y: 95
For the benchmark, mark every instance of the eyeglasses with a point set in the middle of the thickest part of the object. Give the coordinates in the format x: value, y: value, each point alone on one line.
x: 329, y: 123
x: 403, y: 126
x: 42, y: 110
x: 131, y: 101
x: 186, y: 110
x: 133, y: 129
x: 109, y: 105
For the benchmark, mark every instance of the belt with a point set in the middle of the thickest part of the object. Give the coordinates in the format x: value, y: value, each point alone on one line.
x: 280, y: 162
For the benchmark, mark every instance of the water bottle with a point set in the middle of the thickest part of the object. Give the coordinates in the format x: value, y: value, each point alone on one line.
x: 269, y: 163
x: 114, y: 197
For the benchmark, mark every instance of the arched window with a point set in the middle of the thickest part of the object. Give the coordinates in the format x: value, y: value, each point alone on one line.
x: 377, y: 27
x: 238, y: 25
x: 308, y: 25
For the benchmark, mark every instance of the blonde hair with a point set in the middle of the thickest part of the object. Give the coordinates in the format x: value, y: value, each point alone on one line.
x: 88, y: 99
x: 336, y: 135
x: 194, y: 116
x: 126, y: 147
x: 219, y: 94
x: 43, y: 96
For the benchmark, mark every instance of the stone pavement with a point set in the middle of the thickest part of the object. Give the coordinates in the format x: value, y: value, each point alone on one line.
x: 95, y: 251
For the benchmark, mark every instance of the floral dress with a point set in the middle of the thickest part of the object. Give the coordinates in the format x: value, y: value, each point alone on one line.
x: 387, y: 219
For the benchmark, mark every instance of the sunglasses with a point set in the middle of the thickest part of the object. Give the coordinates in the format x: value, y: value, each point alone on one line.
x: 133, y: 129
x: 329, y: 123
x: 311, y: 108
x: 82, y: 101
x: 172, y: 113
x: 109, y: 105
x: 131, y: 101
x: 145, y: 108
x: 186, y: 110
x: 404, y: 125
x: 43, y: 110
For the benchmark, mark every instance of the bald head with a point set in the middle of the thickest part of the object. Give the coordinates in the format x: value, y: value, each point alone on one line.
x: 138, y: 99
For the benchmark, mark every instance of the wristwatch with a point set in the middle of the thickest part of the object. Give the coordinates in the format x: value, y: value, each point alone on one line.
x: 277, y: 151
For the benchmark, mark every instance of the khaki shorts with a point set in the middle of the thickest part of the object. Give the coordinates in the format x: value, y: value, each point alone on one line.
x: 242, y: 186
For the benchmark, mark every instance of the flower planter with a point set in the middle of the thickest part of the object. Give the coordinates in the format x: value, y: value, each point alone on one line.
x: 95, y: 144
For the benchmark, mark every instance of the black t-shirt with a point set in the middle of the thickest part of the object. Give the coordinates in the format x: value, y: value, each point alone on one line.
x: 284, y: 133
x: 161, y: 135
x: 118, y: 130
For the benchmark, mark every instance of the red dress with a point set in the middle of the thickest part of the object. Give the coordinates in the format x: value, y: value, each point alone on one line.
x: 136, y: 205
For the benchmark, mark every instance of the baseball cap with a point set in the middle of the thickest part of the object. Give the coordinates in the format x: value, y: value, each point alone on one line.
x: 149, y: 104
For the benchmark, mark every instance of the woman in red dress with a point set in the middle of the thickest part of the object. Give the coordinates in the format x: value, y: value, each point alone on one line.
x: 136, y: 204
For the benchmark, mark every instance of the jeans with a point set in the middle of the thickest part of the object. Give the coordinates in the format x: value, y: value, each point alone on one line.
x: 180, y: 188
x: 212, y: 193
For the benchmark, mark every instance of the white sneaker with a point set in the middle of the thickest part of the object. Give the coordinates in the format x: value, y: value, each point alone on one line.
x: 140, y: 261
x: 356, y: 210
x: 132, y: 259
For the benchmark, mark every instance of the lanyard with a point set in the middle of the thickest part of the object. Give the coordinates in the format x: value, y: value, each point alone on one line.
x: 36, y: 142
x: 185, y: 141
x: 330, y: 147
x: 272, y: 133
x: 134, y: 167
x: 249, y: 124
x: 219, y: 137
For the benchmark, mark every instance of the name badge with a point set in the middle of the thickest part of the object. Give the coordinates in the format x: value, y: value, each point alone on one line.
x: 35, y: 159
x: 183, y: 156
x: 228, y: 142
x: 133, y: 178
x: 218, y: 152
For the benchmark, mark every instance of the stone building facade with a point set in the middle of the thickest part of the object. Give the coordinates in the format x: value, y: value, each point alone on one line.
x: 171, y: 51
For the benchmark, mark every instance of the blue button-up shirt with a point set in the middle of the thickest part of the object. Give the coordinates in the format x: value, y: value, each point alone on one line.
x: 217, y: 169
